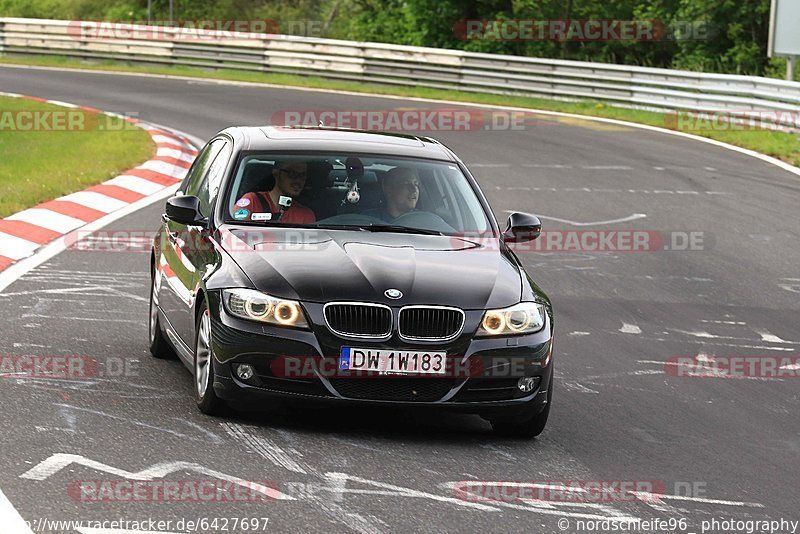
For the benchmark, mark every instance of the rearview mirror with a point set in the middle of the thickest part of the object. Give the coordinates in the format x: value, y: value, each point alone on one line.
x: 185, y: 209
x: 522, y: 227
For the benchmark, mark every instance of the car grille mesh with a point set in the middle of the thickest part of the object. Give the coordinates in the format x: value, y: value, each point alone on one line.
x: 393, y: 389
x: 430, y: 322
x: 359, y: 320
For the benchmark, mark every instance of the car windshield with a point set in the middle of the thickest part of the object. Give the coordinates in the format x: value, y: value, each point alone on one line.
x: 365, y: 192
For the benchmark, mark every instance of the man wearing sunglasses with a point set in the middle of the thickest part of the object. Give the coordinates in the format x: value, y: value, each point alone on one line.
x: 290, y: 179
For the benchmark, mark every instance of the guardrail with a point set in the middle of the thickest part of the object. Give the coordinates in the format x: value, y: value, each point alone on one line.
x: 640, y: 87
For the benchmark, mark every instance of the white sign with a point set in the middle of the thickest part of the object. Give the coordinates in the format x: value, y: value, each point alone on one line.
x: 784, y: 28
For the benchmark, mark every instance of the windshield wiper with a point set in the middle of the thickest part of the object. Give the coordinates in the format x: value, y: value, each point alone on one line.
x: 399, y: 229
x: 337, y: 226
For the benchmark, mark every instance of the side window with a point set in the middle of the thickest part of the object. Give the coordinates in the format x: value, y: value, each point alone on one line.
x: 197, y: 182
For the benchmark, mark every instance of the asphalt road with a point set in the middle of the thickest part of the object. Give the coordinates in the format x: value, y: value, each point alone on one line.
x: 618, y: 414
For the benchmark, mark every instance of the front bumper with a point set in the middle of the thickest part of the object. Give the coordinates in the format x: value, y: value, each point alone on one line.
x: 483, y: 377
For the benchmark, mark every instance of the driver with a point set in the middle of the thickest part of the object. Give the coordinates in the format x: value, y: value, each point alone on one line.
x: 290, y: 179
x: 400, y: 191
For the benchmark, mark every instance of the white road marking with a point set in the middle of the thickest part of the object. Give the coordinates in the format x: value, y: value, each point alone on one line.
x: 543, y: 166
x: 171, y: 140
x: 164, y: 168
x: 51, y: 220
x: 352, y: 520
x: 738, y: 323
x: 578, y: 333
x: 263, y: 447
x: 793, y: 287
x: 498, y: 451
x: 768, y: 337
x: 85, y: 291
x: 96, y: 201
x: 128, y: 420
x: 64, y: 104
x: 135, y: 184
x: 399, y: 491
x: 610, y: 190
x: 628, y: 328
x: 12, y: 522
x: 576, y: 386
x: 166, y: 152
x: 632, y: 217
x: 703, y: 357
x: 608, y: 167
x: 706, y: 335
x: 653, y: 497
x: 55, y: 463
x: 211, y: 436
x: 79, y: 319
x: 15, y: 248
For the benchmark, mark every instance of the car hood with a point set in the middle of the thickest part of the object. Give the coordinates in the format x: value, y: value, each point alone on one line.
x: 335, y: 265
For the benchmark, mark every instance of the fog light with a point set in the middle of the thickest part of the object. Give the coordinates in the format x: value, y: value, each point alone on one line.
x: 526, y: 384
x: 245, y: 371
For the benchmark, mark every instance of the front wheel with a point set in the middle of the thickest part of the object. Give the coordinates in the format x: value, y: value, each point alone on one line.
x: 524, y: 427
x: 206, y: 398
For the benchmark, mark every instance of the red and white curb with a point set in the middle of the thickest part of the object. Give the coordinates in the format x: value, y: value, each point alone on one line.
x: 25, y: 232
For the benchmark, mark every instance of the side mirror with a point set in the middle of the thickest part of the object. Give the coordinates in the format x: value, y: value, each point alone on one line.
x: 522, y: 227
x: 185, y: 209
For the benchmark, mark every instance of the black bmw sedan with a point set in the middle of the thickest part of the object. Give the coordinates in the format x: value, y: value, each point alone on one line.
x: 345, y: 266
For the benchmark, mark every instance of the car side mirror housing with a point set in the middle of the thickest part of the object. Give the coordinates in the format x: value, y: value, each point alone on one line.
x: 185, y: 209
x: 522, y: 227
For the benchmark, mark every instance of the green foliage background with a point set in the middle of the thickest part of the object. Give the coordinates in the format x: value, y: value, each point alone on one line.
x: 736, y: 42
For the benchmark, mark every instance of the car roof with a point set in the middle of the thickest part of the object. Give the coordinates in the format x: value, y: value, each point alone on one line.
x: 290, y: 138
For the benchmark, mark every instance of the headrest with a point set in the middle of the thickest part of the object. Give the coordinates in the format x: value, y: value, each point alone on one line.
x: 257, y: 177
x: 319, y: 174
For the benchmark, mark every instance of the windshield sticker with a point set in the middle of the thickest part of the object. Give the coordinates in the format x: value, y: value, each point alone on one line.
x: 241, y: 214
x: 261, y: 217
x: 243, y: 202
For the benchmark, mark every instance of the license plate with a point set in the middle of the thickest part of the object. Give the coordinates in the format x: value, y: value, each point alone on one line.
x: 392, y: 361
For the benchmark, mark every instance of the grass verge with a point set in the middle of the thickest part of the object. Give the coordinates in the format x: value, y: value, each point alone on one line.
x: 47, y: 151
x: 782, y: 145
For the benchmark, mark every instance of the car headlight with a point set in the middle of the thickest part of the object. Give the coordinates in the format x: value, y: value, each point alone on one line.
x: 522, y: 318
x: 258, y: 306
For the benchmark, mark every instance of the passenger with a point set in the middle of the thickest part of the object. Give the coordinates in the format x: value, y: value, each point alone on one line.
x: 290, y: 179
x: 400, y: 193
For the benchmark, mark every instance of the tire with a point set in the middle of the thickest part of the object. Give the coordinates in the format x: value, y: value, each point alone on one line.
x: 205, y: 396
x: 159, y: 346
x: 524, y: 427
